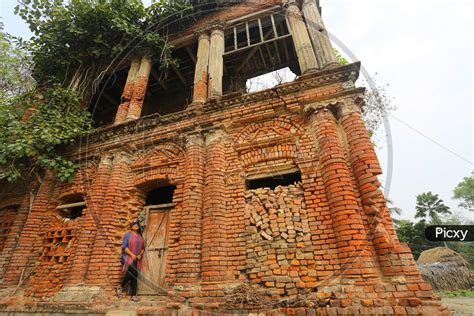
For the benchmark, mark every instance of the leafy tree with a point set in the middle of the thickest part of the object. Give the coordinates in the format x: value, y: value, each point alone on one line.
x: 414, y: 235
x: 15, y: 76
x: 464, y: 191
x: 88, y: 38
x: 340, y: 59
x: 27, y: 146
x: 430, y: 206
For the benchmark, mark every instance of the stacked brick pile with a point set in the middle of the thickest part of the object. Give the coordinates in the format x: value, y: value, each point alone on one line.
x: 279, y: 251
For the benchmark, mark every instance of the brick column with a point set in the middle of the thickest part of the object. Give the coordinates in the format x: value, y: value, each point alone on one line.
x: 366, y: 168
x: 189, y: 261
x: 94, y: 197
x: 31, y: 238
x: 201, y: 72
x: 349, y: 229
x: 104, y: 267
x: 11, y: 242
x: 319, y: 35
x: 216, y: 61
x: 299, y: 33
x: 139, y: 89
x: 122, y: 109
x: 214, y: 235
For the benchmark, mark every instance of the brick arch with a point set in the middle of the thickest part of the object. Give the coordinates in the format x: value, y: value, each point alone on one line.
x: 275, y: 127
x: 159, y: 155
x: 161, y: 163
x: 257, y: 155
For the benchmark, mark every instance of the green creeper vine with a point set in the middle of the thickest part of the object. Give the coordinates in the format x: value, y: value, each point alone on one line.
x: 55, y: 119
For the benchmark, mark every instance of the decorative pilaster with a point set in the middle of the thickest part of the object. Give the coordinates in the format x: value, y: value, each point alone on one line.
x: 351, y: 237
x: 366, y: 168
x: 214, y: 235
x: 299, y: 33
x: 319, y: 35
x: 201, y: 72
x: 216, y: 60
x: 122, y: 109
x: 139, y: 89
x: 30, y: 243
x: 94, y: 194
x: 189, y: 260
x: 108, y: 238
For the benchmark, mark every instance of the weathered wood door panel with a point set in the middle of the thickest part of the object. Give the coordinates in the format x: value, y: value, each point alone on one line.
x: 152, y: 276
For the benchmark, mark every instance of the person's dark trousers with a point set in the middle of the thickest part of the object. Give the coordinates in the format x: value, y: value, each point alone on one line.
x: 131, y: 275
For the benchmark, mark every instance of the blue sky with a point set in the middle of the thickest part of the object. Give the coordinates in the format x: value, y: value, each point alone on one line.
x: 423, y: 50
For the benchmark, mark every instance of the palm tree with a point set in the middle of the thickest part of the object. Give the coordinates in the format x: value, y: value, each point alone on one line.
x: 430, y: 206
x: 393, y: 210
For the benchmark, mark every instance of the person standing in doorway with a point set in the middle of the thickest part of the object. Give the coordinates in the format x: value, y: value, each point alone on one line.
x: 133, y: 247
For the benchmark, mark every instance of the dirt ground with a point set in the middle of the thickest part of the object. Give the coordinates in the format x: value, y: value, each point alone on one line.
x: 461, y: 306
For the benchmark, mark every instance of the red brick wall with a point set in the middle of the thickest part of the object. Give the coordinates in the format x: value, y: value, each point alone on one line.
x: 214, y: 244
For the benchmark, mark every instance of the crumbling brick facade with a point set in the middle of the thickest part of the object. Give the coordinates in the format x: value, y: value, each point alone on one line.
x: 321, y: 244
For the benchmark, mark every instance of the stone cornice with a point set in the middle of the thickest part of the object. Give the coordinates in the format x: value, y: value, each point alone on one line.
x: 344, y: 103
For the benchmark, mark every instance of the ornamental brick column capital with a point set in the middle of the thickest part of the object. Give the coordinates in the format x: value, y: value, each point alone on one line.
x: 194, y: 139
x: 202, y: 34
x: 214, y: 135
x: 350, y: 105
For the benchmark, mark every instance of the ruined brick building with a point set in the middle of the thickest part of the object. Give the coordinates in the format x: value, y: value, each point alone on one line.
x: 271, y: 194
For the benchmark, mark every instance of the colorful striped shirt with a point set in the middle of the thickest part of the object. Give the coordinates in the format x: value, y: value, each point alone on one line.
x: 135, y: 243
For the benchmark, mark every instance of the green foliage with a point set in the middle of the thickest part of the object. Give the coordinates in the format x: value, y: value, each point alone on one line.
x: 464, y: 191
x: 458, y: 293
x: 56, y: 120
x: 414, y: 235
x: 14, y: 67
x: 430, y: 206
x: 340, y: 59
x: 92, y: 35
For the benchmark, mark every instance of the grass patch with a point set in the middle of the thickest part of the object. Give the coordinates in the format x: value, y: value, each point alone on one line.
x: 458, y: 293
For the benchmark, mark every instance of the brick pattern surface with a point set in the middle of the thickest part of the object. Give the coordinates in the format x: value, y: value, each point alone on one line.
x: 325, y: 245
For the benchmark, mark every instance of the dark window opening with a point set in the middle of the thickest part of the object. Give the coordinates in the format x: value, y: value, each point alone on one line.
x: 107, y: 98
x: 171, y: 91
x: 241, y: 36
x: 274, y: 181
x: 72, y: 207
x: 163, y: 195
x: 256, y: 48
x: 254, y: 33
x: 75, y: 212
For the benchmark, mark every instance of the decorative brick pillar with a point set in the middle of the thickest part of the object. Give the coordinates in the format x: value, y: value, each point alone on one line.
x: 366, y: 168
x: 299, y: 33
x: 214, y: 236
x: 31, y: 238
x: 319, y: 36
x: 216, y: 60
x: 11, y: 241
x: 105, y: 268
x: 351, y: 237
x: 94, y: 197
x: 201, y: 72
x: 189, y: 261
x: 122, y: 109
x: 139, y: 89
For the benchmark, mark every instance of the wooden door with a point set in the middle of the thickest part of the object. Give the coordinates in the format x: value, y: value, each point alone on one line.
x: 152, y: 276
